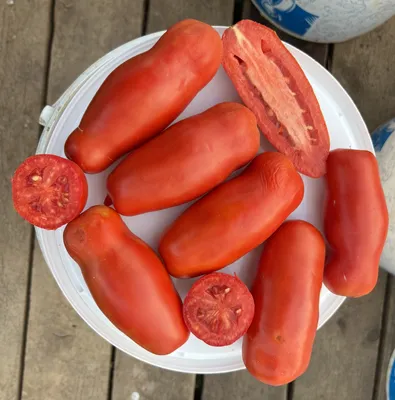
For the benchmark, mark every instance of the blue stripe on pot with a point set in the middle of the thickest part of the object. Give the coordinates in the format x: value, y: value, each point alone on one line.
x: 391, y: 379
x: 381, y: 134
x: 288, y: 15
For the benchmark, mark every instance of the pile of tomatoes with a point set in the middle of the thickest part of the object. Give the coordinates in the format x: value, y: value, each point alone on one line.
x: 193, y: 158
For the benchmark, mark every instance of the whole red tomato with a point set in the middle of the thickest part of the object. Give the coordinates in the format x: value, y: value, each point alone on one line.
x: 127, y: 280
x: 286, y: 291
x: 145, y: 94
x: 274, y: 87
x: 185, y: 161
x: 356, y: 222
x: 234, y: 218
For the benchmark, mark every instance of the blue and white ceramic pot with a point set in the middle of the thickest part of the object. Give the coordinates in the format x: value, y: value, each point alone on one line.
x: 326, y: 21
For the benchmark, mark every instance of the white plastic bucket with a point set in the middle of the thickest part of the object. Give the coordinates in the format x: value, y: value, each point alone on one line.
x: 347, y: 130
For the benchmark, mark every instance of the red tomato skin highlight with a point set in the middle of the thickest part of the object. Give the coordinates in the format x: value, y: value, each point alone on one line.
x: 78, y: 189
x: 185, y: 161
x: 277, y: 347
x: 248, y: 40
x: 356, y: 222
x: 127, y: 280
x: 233, y: 218
x: 238, y: 297
x: 145, y: 94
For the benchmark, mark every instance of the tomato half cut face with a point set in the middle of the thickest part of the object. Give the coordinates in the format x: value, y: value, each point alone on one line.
x: 273, y: 86
x: 49, y: 191
x: 218, y: 309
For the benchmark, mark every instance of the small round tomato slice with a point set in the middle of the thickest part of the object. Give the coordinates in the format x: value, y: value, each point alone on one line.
x: 218, y: 309
x: 49, y: 191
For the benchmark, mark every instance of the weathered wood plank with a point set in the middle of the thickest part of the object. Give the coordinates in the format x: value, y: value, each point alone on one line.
x: 387, y: 344
x: 374, y: 89
x: 365, y: 67
x: 86, y: 31
x: 24, y: 38
x: 239, y: 385
x: 135, y: 380
x: 65, y: 359
x: 349, y: 366
x: 130, y: 375
x: 170, y: 385
x: 318, y: 51
x: 345, y: 352
x: 349, y: 343
x: 163, y: 13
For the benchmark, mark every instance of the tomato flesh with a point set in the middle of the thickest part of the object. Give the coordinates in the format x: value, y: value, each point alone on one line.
x: 218, y: 309
x: 49, y: 191
x: 272, y: 84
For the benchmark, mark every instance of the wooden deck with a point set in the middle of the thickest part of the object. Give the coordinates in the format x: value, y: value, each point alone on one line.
x: 46, y: 351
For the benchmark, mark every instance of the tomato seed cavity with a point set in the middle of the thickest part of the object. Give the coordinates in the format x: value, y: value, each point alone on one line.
x: 35, y: 177
x: 35, y: 205
x: 312, y: 134
x: 57, y: 194
x: 282, y: 130
x: 218, y: 292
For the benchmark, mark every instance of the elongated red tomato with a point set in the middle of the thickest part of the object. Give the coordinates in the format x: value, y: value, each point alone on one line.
x: 286, y: 291
x: 218, y: 309
x: 234, y: 218
x: 356, y: 222
x: 273, y: 86
x: 145, y: 94
x: 49, y: 191
x: 185, y: 161
x: 127, y: 280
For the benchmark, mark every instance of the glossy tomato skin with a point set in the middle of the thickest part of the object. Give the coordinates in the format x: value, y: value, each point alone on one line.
x: 277, y: 346
x: 274, y: 87
x: 127, y: 280
x: 218, y: 309
x: 234, y: 218
x: 49, y: 191
x: 185, y: 161
x: 145, y: 94
x: 356, y: 222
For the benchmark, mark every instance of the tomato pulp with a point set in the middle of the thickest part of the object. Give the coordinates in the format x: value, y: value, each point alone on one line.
x: 49, y: 191
x: 218, y: 309
x: 273, y: 86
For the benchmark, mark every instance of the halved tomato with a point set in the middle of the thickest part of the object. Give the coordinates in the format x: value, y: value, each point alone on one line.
x: 273, y: 86
x: 49, y: 191
x: 218, y: 309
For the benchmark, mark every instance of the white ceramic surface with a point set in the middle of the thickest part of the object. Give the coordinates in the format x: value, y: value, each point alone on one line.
x: 346, y: 128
